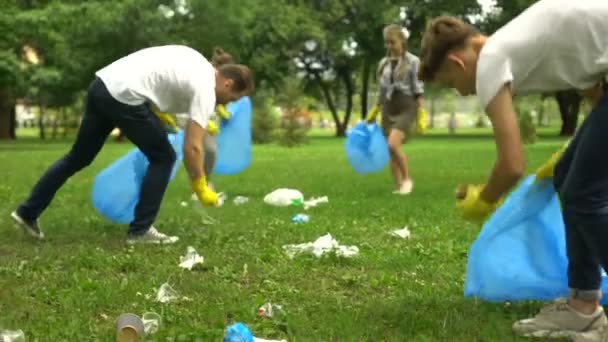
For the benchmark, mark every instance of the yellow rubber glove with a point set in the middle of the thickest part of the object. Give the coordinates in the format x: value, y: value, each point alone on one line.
x: 421, y: 121
x: 371, y: 117
x: 167, y: 120
x: 222, y: 112
x: 212, y: 128
x: 546, y: 170
x: 205, y: 195
x: 472, y: 206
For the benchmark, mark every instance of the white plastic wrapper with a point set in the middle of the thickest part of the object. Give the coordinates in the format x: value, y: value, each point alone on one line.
x: 191, y: 258
x: 323, y: 245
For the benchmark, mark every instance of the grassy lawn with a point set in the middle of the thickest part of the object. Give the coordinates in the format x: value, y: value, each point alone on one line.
x: 73, y: 286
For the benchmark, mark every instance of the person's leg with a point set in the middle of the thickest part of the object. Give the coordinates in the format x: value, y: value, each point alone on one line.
x: 91, y: 136
x: 581, y: 178
x: 398, y: 159
x: 145, y: 130
x: 396, y: 172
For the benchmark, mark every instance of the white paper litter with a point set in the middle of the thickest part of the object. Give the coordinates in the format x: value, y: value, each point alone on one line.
x: 190, y: 259
x: 184, y: 204
x: 151, y: 322
x: 257, y: 339
x: 166, y: 294
x: 402, y: 233
x: 269, y: 309
x: 313, y: 202
x: 12, y: 336
x: 283, y: 197
x: 238, y: 200
x: 323, y: 245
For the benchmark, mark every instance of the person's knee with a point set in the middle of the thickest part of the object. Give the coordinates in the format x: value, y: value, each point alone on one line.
x: 77, y: 161
x: 165, y: 156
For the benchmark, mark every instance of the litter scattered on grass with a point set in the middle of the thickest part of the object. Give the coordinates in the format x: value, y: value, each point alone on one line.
x: 191, y: 258
x: 323, y: 245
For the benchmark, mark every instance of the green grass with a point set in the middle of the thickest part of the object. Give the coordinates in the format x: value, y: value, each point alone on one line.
x: 73, y: 286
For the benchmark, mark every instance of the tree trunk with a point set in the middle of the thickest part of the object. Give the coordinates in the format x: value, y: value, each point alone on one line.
x: 55, y: 127
x: 569, y: 102
x: 350, y: 90
x: 41, y: 121
x: 365, y: 87
x: 541, y: 113
x: 13, y: 123
x: 7, y: 115
x: 64, y: 119
x: 330, y: 102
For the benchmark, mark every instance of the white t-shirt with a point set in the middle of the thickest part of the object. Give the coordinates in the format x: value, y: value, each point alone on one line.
x: 553, y: 45
x: 175, y: 78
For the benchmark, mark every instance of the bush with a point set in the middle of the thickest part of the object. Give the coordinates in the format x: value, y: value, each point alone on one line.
x: 526, y: 127
x: 294, y: 120
x: 293, y: 129
x: 264, y: 122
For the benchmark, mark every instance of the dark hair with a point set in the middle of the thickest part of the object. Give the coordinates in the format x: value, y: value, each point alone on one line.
x: 221, y: 57
x: 240, y: 75
x: 442, y: 35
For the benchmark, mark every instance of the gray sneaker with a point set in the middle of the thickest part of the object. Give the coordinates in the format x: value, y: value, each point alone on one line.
x: 30, y: 227
x: 152, y: 236
x: 559, y: 320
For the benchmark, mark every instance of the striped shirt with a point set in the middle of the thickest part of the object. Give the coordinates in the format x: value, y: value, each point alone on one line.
x: 407, y: 84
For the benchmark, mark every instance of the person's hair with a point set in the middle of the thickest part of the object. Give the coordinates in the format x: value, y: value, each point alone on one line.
x: 240, y: 75
x: 401, y: 32
x: 221, y: 57
x: 442, y: 35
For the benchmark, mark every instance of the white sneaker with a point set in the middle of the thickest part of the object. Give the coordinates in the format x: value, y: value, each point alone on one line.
x: 152, y: 236
x: 559, y: 320
x: 406, y: 187
x: 30, y: 227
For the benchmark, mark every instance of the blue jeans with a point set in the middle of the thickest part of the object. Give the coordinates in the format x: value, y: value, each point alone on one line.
x: 102, y: 114
x: 581, y: 180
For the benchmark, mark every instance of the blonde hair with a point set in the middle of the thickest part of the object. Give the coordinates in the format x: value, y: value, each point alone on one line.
x: 402, y: 64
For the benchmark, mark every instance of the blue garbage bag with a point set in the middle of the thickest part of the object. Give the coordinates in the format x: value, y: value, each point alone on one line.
x: 520, y: 253
x: 238, y: 332
x: 234, y: 139
x: 116, y: 188
x: 366, y: 148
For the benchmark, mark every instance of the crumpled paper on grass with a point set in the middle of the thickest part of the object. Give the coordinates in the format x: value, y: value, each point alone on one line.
x: 323, y: 245
x: 191, y: 258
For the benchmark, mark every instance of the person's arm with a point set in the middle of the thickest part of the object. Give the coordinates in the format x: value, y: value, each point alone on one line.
x: 510, y: 163
x: 193, y: 150
x: 201, y: 109
x: 418, y: 85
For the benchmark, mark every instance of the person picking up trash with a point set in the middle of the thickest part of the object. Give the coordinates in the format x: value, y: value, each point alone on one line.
x: 553, y: 45
x: 173, y: 78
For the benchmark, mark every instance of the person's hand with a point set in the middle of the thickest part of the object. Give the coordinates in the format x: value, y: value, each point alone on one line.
x: 546, y: 170
x: 222, y: 112
x: 212, y: 128
x: 471, y: 205
x: 371, y: 117
x: 168, y: 121
x: 205, y: 195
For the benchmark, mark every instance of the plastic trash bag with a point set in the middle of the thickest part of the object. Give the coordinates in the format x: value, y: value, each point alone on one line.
x: 520, y: 253
x: 284, y: 197
x: 116, y: 188
x: 366, y: 148
x: 234, y: 139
